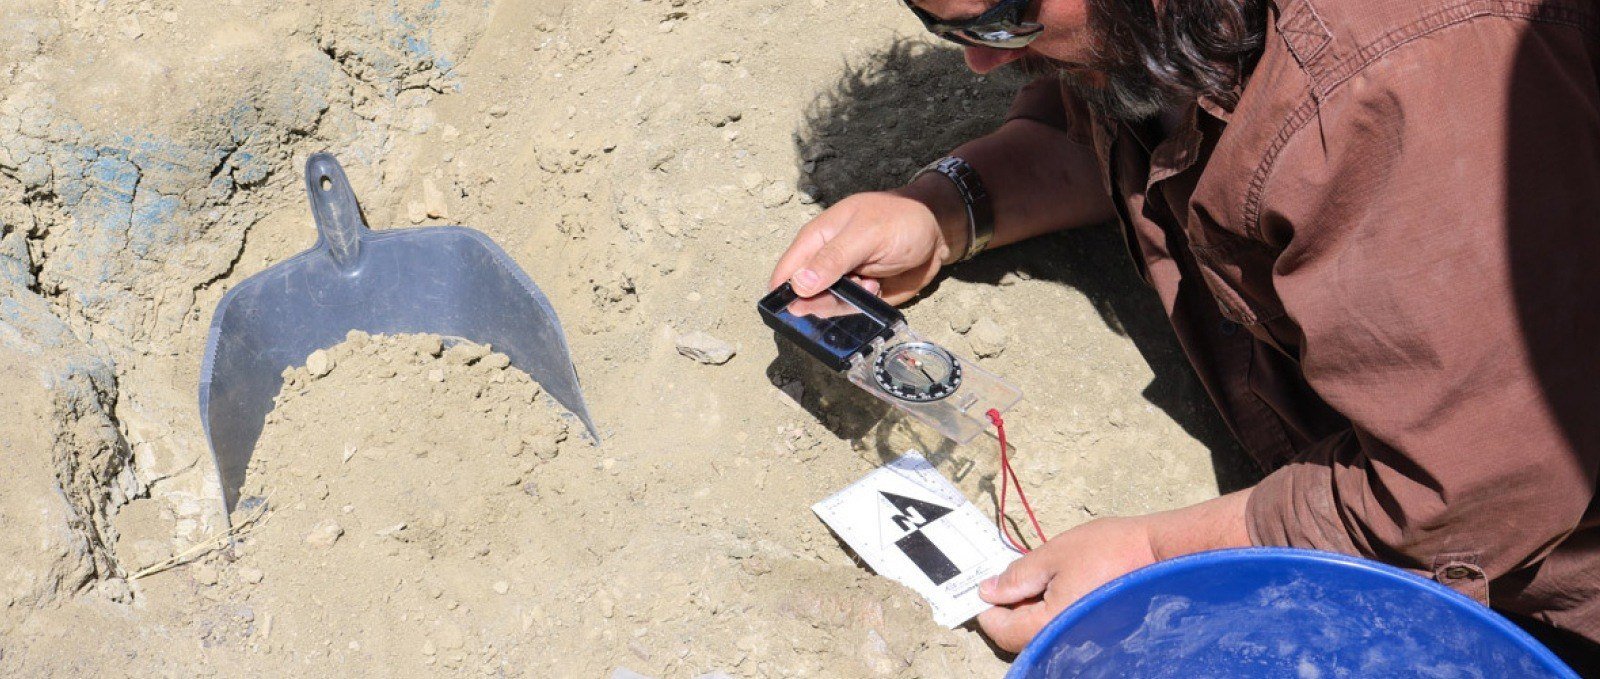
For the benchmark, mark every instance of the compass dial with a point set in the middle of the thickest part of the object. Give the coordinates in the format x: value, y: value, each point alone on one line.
x: 917, y: 371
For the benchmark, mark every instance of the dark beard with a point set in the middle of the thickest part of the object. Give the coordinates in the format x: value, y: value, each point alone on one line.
x: 1123, y: 91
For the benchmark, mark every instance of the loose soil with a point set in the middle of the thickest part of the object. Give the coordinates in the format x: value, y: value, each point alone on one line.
x: 645, y: 162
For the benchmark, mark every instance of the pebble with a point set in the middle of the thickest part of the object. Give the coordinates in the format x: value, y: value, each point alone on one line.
x: 205, y: 574
x: 875, y: 654
x: 433, y: 200
x: 465, y: 353
x: 436, y: 375
x: 501, y: 587
x: 324, y: 534
x: 429, y: 649
x: 777, y: 193
x: 427, y: 345
x: 987, y: 338
x: 495, y: 361
x: 130, y: 27
x: 498, y: 111
x: 450, y: 636
x: 965, y: 311
x: 251, y: 575
x: 705, y: 348
x: 319, y: 363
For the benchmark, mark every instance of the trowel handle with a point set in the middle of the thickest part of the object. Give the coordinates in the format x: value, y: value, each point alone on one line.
x: 333, y: 203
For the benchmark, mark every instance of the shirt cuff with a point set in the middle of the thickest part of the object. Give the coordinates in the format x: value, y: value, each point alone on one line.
x: 1296, y: 506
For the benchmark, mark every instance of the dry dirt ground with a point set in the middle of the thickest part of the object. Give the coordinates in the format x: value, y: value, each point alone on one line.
x: 644, y: 161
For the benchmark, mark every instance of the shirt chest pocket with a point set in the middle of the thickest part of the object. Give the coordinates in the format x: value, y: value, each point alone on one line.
x: 1239, y: 274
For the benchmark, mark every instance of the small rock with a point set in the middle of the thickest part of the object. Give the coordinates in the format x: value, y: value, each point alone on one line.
x: 357, y: 339
x: 450, y: 636
x: 451, y: 132
x: 531, y: 489
x: 319, y: 363
x: 251, y: 575
x: 427, y: 345
x: 495, y: 361
x: 987, y: 338
x: 205, y: 574
x: 428, y: 648
x: 324, y: 534
x: 385, y: 532
x: 876, y: 656
x: 130, y: 28
x: 776, y: 194
x: 965, y: 311
x: 501, y: 587
x: 704, y: 348
x: 416, y: 212
x: 433, y: 200
x: 465, y: 353
x: 498, y: 111
x: 436, y: 375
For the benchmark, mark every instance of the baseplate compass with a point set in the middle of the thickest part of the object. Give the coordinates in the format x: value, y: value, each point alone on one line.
x: 855, y: 332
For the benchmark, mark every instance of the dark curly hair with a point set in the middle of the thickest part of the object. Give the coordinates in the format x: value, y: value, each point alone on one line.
x: 1188, y: 48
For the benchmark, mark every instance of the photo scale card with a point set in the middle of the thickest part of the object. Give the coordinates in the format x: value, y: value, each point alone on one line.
x: 913, y: 526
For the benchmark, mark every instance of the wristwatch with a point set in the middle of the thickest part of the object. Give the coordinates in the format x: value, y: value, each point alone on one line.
x: 980, y: 211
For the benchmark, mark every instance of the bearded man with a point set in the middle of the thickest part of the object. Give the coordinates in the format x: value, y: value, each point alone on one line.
x: 1371, y: 225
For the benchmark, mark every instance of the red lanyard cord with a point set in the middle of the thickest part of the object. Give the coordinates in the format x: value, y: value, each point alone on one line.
x: 1007, y: 474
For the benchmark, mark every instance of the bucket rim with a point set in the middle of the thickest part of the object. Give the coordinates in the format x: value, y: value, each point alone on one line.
x: 1033, y: 654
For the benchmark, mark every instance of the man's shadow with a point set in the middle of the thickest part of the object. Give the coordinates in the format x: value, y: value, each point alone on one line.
x: 891, y: 113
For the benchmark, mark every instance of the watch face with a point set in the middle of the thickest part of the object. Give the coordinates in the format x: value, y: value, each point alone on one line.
x: 917, y: 371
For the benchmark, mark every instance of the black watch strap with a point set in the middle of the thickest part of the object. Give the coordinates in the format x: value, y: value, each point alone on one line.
x: 980, y: 210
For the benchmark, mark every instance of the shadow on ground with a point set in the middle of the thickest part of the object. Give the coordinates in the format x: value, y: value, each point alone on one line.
x: 893, y: 112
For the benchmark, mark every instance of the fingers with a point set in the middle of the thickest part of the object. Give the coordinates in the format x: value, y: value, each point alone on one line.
x: 1012, y: 628
x: 837, y: 257
x: 806, y: 243
x: 1026, y: 578
x: 869, y: 284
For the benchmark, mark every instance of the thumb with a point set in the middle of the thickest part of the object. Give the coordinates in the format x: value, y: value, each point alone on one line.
x: 1024, y: 579
x: 837, y: 257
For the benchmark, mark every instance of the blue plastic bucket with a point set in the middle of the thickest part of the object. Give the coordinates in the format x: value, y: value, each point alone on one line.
x: 1280, y: 613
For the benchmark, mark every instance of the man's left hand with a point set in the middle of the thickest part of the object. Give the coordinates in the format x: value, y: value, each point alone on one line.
x: 1042, y: 583
x: 1039, y: 585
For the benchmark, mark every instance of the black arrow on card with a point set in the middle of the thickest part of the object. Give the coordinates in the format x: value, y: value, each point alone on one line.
x: 913, y: 514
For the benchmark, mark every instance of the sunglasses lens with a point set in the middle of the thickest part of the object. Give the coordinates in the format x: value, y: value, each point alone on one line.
x: 1007, y: 37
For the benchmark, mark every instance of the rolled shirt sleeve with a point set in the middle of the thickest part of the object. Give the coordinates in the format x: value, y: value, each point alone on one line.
x: 1439, y: 224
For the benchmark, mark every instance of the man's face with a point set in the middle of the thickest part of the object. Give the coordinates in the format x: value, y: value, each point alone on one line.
x: 1068, y: 46
x: 1065, y: 40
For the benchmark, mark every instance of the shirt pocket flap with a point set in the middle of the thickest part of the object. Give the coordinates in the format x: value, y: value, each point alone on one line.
x: 1239, y: 276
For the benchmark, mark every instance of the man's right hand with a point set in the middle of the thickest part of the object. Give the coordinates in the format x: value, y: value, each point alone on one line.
x: 889, y: 241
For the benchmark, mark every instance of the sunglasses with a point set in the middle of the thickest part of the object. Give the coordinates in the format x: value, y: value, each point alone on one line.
x: 1000, y: 27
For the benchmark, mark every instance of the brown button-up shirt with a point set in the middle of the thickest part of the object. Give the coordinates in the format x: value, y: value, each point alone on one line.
x: 1384, y: 263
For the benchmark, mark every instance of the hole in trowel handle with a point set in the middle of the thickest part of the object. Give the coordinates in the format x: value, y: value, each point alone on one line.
x: 327, y: 184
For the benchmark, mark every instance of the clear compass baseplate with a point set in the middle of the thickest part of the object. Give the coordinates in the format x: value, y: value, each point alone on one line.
x: 856, y: 332
x: 961, y: 414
